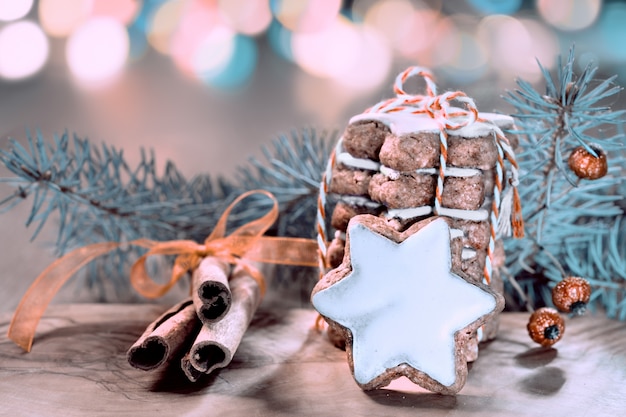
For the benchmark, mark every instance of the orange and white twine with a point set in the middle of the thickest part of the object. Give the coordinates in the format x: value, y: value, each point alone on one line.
x: 439, y: 108
x: 322, y: 240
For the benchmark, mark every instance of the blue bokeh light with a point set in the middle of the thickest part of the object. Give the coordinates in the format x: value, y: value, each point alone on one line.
x: 239, y: 68
x: 279, y: 38
x: 138, y: 30
x: 613, y: 31
x: 138, y: 42
x: 488, y: 7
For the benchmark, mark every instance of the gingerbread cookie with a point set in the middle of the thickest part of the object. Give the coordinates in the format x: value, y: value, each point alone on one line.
x: 413, y: 157
x: 402, y: 307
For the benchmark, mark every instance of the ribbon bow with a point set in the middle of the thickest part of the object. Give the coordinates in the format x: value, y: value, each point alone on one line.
x: 246, y: 243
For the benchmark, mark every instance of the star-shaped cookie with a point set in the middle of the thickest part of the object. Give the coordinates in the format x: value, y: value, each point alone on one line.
x: 402, y: 308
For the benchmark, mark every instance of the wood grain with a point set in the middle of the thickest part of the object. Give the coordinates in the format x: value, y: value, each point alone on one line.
x: 283, y: 368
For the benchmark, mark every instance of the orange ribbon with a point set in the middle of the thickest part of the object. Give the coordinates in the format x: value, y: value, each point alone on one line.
x: 246, y: 243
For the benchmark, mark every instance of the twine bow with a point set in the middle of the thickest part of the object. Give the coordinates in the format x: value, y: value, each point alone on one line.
x: 438, y: 107
x: 246, y: 243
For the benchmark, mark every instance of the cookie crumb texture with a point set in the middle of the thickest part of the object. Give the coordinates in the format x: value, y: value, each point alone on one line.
x: 364, y: 140
x: 389, y: 164
x: 410, y: 152
x: 409, y: 190
x: 350, y: 181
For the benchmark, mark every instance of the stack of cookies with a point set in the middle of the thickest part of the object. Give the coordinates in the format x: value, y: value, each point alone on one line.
x: 388, y: 165
x: 402, y: 165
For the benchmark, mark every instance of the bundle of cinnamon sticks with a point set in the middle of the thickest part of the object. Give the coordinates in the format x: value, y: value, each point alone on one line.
x: 210, y: 324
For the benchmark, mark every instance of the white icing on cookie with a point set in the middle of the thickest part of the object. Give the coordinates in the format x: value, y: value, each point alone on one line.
x: 474, y: 130
x: 468, y: 253
x: 451, y: 171
x: 390, y: 173
x: 348, y: 160
x: 340, y: 235
x: 359, y: 201
x: 408, y: 213
x: 381, y: 313
x: 454, y: 233
x: 402, y: 124
x: 474, y: 215
x: 361, y: 163
x: 480, y: 334
x: 393, y: 174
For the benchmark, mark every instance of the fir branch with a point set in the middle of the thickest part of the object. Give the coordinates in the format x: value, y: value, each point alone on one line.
x: 292, y: 171
x: 571, y: 223
x: 137, y: 201
x: 99, y: 197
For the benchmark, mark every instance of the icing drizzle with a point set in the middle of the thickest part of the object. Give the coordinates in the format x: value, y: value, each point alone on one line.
x: 402, y: 124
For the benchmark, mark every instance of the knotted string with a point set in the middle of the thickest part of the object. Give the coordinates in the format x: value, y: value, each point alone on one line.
x: 246, y: 243
x: 439, y: 108
x: 436, y: 106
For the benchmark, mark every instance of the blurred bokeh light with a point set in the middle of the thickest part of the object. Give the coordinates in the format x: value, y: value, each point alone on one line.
x: 249, y: 17
x: 60, y: 18
x: 14, y: 9
x: 23, y: 50
x: 611, y: 44
x: 353, y: 43
x: 180, y: 67
x: 163, y: 25
x: 488, y: 7
x: 124, y: 11
x: 569, y: 14
x: 97, y: 50
x: 305, y: 15
x: 237, y: 61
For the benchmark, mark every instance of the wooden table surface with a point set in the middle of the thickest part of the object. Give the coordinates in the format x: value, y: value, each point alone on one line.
x: 283, y: 368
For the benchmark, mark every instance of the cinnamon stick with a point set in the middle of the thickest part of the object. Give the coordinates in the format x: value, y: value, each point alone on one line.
x: 165, y: 337
x: 190, y: 372
x: 210, y: 290
x: 217, y: 342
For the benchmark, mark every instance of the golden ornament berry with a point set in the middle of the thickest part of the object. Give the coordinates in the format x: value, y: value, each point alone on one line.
x: 571, y: 295
x: 546, y: 326
x: 587, y: 166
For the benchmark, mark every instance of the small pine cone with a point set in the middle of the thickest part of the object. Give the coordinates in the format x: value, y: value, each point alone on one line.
x: 571, y: 295
x: 587, y: 166
x: 546, y: 326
